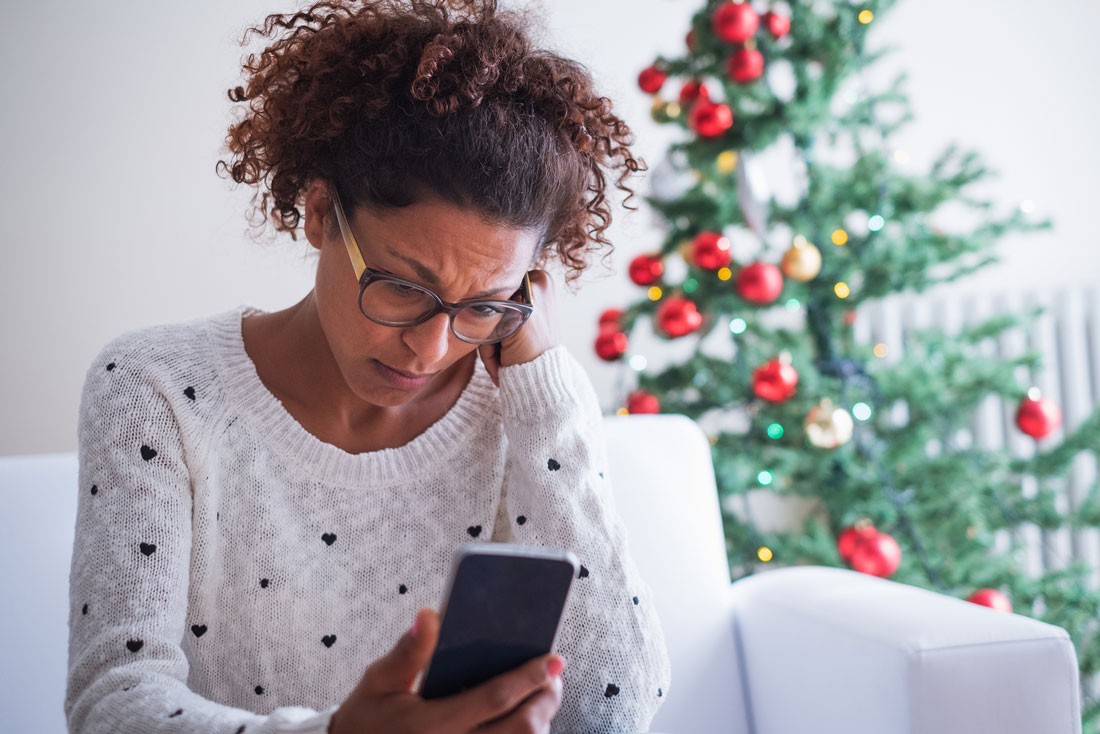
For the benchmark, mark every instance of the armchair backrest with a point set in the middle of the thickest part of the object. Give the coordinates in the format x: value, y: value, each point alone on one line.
x: 663, y: 484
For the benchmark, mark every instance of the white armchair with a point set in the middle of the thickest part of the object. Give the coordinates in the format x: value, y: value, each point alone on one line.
x: 787, y: 651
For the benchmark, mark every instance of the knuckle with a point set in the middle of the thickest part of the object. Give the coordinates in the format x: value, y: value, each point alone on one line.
x: 498, y: 695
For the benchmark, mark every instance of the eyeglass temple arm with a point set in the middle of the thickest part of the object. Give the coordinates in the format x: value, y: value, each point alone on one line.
x: 349, y: 238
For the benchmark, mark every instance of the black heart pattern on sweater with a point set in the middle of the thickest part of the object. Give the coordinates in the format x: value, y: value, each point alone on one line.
x: 84, y: 610
x: 553, y: 465
x: 110, y: 366
x: 198, y: 629
x: 94, y: 489
x: 328, y: 640
x: 521, y: 519
x: 147, y: 453
x: 659, y: 694
x: 190, y: 392
x: 148, y: 548
x: 583, y: 573
x: 329, y: 538
x: 177, y: 712
x: 635, y: 600
x: 259, y: 690
x: 612, y: 690
x: 241, y: 730
x: 264, y: 583
x: 474, y: 530
x: 402, y: 589
x: 134, y: 645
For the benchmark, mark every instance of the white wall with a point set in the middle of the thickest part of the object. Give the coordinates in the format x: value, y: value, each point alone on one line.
x: 114, y: 115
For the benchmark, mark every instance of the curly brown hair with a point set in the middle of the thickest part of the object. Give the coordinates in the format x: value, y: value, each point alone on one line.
x: 383, y: 98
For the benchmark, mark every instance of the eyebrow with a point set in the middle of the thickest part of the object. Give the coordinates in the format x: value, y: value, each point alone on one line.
x: 428, y: 275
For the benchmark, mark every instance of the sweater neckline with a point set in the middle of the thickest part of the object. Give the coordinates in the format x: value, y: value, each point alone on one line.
x: 323, y: 461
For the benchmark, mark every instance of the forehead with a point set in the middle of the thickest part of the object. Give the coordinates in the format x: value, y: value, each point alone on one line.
x: 436, y: 243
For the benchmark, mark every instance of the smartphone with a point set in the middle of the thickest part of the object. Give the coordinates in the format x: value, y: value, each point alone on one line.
x: 502, y: 607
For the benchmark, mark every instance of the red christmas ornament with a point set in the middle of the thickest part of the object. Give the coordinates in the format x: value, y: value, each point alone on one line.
x: 678, y: 316
x: 778, y: 25
x: 641, y: 401
x: 690, y: 40
x: 851, y: 537
x: 876, y: 555
x: 735, y: 22
x: 610, y: 345
x: 651, y: 79
x: 746, y: 65
x: 710, y: 250
x: 991, y: 598
x: 774, y: 381
x: 709, y: 119
x: 646, y: 269
x: 1038, y: 416
x: 759, y: 283
x: 692, y: 91
x: 610, y: 318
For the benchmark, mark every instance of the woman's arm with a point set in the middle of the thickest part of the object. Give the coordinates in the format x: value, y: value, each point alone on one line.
x: 128, y: 585
x: 557, y: 494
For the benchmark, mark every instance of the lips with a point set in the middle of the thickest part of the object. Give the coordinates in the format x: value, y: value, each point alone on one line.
x: 410, y: 375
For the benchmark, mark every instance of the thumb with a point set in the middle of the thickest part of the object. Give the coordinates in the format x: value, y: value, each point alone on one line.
x: 491, y: 358
x: 396, y: 671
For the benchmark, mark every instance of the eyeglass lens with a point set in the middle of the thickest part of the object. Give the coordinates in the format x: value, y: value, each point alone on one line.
x: 398, y: 304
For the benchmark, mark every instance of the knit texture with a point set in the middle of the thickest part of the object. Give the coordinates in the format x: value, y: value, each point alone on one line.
x: 233, y: 573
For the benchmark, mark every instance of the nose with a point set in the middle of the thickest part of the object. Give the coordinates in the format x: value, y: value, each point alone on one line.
x: 430, y: 340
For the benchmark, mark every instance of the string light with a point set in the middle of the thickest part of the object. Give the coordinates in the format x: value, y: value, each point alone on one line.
x: 841, y: 289
x: 622, y: 411
x: 793, y: 304
x: 840, y: 237
x: 765, y: 477
x: 775, y: 431
x: 764, y: 554
x: 861, y: 411
x: 875, y: 223
x: 738, y: 326
x: 866, y: 16
x: 880, y: 350
x: 901, y: 156
x: 654, y: 293
x: 690, y: 285
x: 724, y: 274
x: 638, y: 362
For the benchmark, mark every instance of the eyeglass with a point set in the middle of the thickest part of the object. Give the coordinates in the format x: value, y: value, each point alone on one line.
x: 391, y: 300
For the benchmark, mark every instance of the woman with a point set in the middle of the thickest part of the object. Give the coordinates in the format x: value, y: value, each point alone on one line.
x: 268, y: 500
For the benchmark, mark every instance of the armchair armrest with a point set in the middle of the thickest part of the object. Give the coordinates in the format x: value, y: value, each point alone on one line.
x: 830, y: 650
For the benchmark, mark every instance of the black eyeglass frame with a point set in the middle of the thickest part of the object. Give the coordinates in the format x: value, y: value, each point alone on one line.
x: 367, y: 275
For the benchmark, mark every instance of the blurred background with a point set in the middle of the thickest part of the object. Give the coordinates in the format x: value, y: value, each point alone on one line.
x: 115, y: 114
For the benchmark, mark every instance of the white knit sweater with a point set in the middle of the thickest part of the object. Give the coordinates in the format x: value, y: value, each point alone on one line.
x: 233, y: 573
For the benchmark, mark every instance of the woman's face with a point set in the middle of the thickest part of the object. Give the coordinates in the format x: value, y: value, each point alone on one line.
x: 432, y: 243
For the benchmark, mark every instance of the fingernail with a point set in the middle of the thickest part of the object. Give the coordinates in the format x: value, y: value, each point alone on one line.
x: 416, y: 625
x: 555, y: 666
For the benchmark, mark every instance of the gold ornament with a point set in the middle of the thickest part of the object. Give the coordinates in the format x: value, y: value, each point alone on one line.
x: 686, y: 251
x: 801, y: 262
x: 828, y: 426
x: 659, y: 110
x: 727, y: 161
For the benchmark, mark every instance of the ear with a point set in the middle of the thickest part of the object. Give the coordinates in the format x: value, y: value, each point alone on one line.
x: 319, y: 216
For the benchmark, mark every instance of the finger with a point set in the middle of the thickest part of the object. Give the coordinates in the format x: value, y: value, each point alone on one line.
x: 396, y: 671
x: 496, y: 696
x: 534, y: 714
x: 491, y: 359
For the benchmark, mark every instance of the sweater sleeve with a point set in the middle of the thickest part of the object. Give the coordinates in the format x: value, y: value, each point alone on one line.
x: 129, y: 576
x: 557, y: 494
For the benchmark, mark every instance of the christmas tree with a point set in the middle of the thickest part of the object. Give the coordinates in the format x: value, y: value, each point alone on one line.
x: 792, y: 401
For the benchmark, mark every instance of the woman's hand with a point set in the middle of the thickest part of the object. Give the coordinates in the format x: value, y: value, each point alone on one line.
x: 525, y: 699
x: 537, y: 335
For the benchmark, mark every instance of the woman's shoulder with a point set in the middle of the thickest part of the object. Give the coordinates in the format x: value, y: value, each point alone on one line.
x: 155, y: 351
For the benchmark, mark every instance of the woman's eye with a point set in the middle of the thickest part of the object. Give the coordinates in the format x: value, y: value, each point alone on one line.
x: 486, y: 311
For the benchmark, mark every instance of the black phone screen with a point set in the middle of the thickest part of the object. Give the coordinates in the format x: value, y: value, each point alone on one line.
x: 501, y: 612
